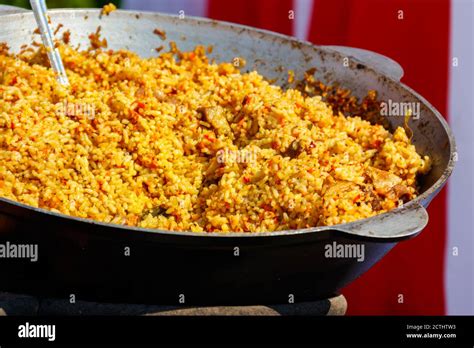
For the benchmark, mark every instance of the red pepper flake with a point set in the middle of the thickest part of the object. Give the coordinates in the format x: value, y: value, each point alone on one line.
x: 154, y: 164
x: 246, y: 179
x: 140, y: 105
x: 376, y: 143
x: 275, y: 145
x: 356, y: 198
x: 134, y: 116
x: 210, y: 138
x: 247, y: 100
x: 192, y: 55
x: 97, y: 78
x: 267, y: 207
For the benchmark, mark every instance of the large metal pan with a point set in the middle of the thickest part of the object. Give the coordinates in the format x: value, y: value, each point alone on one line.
x: 87, y: 258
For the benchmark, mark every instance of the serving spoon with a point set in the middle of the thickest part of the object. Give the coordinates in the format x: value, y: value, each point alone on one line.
x: 40, y: 10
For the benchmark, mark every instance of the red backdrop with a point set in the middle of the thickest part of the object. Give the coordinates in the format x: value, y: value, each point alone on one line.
x: 420, y: 43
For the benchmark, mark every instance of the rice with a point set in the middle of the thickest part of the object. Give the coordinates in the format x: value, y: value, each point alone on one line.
x: 107, y: 9
x: 177, y: 142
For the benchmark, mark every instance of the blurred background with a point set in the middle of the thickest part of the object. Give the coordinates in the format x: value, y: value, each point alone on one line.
x: 433, y: 41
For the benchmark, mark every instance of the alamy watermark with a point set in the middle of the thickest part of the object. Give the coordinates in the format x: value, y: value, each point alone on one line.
x: 19, y: 251
x: 402, y: 109
x: 345, y: 251
x: 76, y: 110
x: 236, y: 156
x: 28, y: 330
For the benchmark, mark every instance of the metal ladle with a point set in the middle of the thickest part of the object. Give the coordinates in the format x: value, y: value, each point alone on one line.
x: 40, y: 10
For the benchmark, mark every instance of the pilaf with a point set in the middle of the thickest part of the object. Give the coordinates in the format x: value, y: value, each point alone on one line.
x: 178, y: 142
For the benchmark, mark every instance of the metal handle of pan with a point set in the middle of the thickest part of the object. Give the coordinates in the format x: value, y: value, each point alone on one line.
x: 379, y: 62
x: 402, y: 223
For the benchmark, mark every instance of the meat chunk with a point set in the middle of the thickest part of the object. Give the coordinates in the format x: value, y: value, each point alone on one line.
x: 293, y: 150
x: 382, y: 180
x: 338, y: 188
x: 388, y: 185
x: 400, y: 192
x: 215, y: 116
x: 372, y: 198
